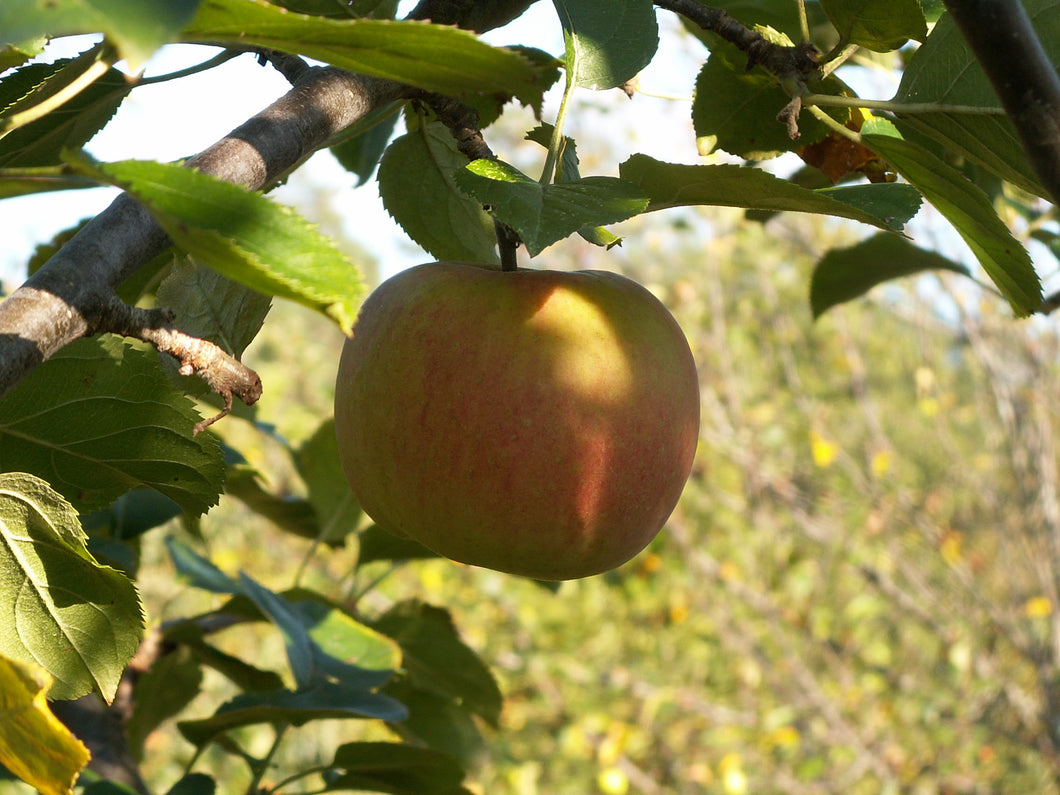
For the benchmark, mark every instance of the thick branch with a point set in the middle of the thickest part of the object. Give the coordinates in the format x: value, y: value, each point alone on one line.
x: 1003, y: 40
x: 69, y: 296
x: 100, y: 728
x: 781, y: 62
x: 64, y: 300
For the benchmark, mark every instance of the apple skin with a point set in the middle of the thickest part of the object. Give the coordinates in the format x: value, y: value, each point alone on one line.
x: 540, y: 423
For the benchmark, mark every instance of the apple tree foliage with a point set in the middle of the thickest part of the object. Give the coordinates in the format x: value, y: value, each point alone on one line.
x: 102, y: 442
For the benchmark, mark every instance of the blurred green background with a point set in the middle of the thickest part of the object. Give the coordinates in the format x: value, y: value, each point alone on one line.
x: 857, y: 592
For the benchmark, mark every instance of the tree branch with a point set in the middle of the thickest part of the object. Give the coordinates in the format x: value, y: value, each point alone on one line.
x: 72, y: 295
x: 1003, y: 40
x: 224, y: 374
x: 100, y: 728
x: 69, y: 296
x: 781, y: 62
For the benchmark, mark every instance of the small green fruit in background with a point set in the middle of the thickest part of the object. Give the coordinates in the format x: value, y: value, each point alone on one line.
x: 541, y: 423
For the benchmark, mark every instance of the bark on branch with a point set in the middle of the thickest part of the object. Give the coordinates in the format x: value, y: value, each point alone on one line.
x: 72, y: 295
x: 781, y: 62
x: 1004, y: 42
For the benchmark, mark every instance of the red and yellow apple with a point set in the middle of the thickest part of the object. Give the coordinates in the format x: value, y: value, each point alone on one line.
x: 541, y: 423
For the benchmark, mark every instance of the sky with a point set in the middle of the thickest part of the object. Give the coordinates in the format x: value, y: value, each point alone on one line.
x: 176, y: 119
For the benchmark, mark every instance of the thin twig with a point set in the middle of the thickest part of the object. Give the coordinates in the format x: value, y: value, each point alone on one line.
x: 210, y: 63
x: 836, y: 101
x: 292, y: 67
x: 225, y: 375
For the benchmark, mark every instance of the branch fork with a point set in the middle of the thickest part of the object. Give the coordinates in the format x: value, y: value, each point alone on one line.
x: 224, y: 374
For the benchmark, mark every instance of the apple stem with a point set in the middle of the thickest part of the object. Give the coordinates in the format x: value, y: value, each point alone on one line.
x: 507, y: 244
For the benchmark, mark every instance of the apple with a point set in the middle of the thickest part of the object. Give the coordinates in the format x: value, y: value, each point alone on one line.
x: 540, y: 423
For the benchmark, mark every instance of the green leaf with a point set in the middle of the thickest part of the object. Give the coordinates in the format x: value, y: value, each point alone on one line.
x: 945, y: 72
x: 132, y: 514
x: 395, y: 768
x: 674, y: 185
x: 894, y: 203
x: 282, y: 614
x: 161, y: 692
x: 58, y: 607
x: 213, y: 307
x: 418, y: 190
x: 16, y: 53
x: 346, y: 649
x: 969, y: 210
x: 243, y: 235
x: 99, y: 419
x: 137, y: 27
x: 567, y: 170
x: 438, y: 661
x: 324, y: 700
x: 437, y: 722
x: 240, y: 673
x: 736, y: 111
x: 337, y: 510
x: 291, y: 514
x: 379, y: 9
x: 543, y: 214
x: 377, y: 544
x: 72, y: 124
x: 360, y: 154
x: 194, y: 784
x: 847, y: 273
x: 607, y: 43
x: 34, y: 744
x: 879, y: 25
x: 197, y: 570
x: 548, y: 70
x: 432, y: 57
x: 18, y: 182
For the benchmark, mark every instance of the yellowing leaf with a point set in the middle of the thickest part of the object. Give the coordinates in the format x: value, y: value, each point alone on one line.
x: 678, y: 613
x: 783, y: 736
x: 928, y: 406
x: 34, y: 745
x: 1037, y: 607
x: 613, y: 781
x: 925, y: 382
x: 881, y: 462
x: 823, y: 450
x: 733, y: 779
x: 951, y: 547
x: 729, y: 571
x: 611, y: 748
